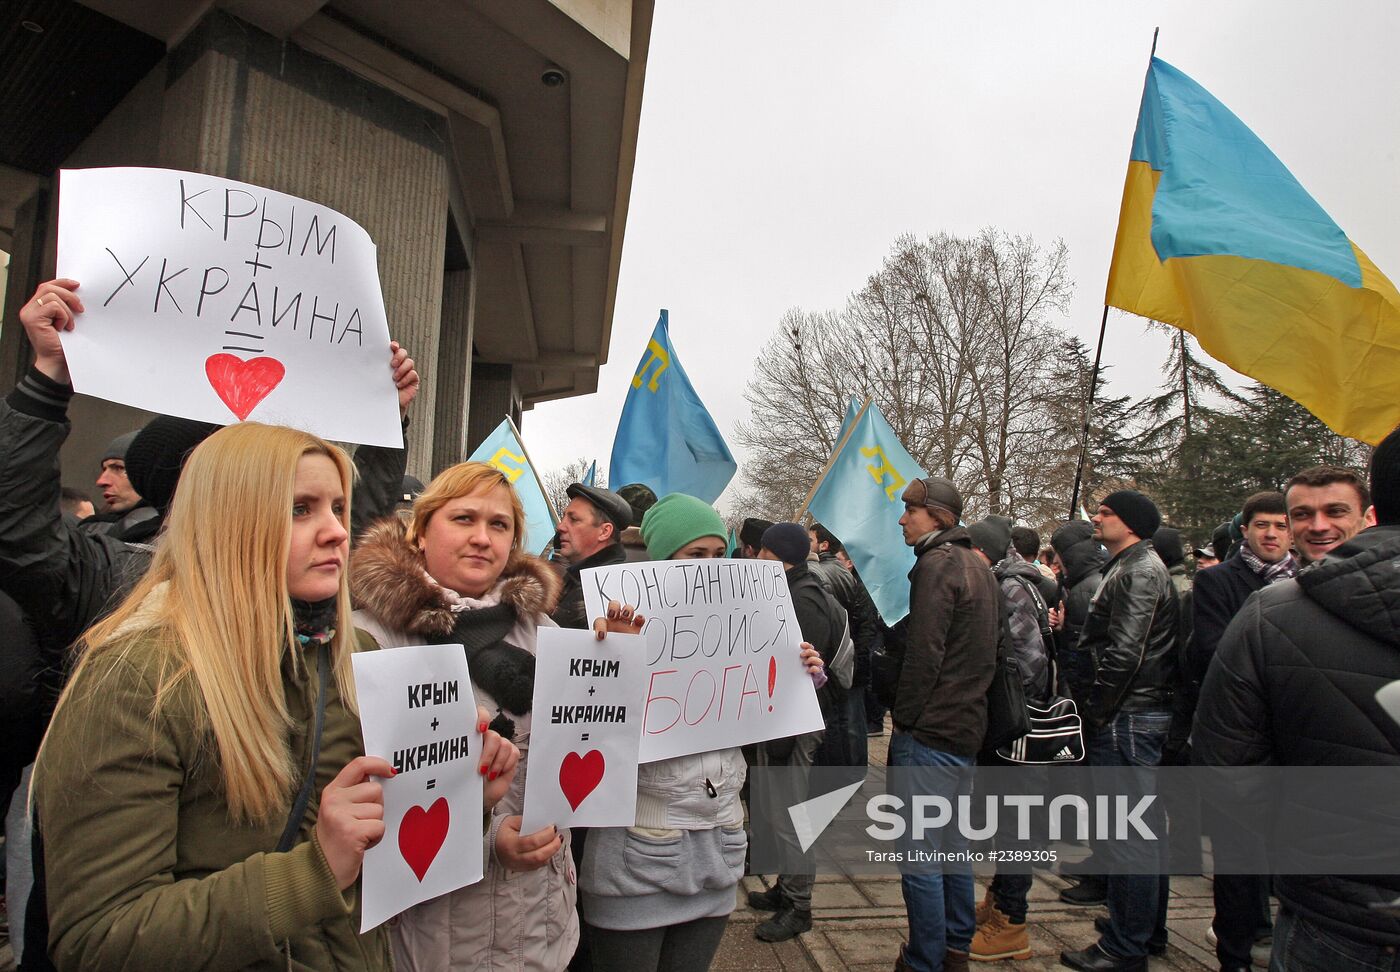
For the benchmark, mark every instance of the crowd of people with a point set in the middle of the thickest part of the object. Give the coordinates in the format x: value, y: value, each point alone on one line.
x: 187, y: 785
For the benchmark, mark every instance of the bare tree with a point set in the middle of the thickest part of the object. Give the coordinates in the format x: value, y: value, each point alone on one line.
x: 556, y: 481
x: 952, y: 338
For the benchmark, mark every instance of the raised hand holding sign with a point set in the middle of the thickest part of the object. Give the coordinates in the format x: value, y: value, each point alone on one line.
x: 220, y: 301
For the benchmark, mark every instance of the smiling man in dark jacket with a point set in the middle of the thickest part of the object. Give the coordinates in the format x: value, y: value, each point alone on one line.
x: 1131, y: 633
x: 1294, y: 683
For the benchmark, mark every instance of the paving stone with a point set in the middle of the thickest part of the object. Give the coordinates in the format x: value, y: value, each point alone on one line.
x: 866, y: 947
x: 843, y: 895
x: 888, y: 894
x: 741, y: 951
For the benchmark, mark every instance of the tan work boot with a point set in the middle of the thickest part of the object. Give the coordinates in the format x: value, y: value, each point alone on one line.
x: 984, y: 908
x: 997, y: 938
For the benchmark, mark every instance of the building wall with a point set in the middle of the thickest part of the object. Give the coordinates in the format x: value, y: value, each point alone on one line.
x: 235, y: 102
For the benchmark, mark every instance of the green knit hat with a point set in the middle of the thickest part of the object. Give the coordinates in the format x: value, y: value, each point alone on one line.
x: 676, y: 520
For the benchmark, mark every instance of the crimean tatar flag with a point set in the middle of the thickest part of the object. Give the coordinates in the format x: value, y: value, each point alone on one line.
x: 504, y: 450
x: 860, y: 500
x: 1218, y: 238
x: 665, y: 437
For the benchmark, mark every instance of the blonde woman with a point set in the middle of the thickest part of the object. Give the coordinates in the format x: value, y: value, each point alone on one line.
x: 457, y: 573
x: 170, y: 785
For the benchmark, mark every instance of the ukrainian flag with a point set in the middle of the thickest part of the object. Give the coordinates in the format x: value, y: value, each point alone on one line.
x: 1216, y: 237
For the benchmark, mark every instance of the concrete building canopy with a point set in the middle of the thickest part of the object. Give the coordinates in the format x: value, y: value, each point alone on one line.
x: 486, y: 145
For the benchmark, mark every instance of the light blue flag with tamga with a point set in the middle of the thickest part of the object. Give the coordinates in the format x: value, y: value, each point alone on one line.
x: 665, y: 437
x: 591, y: 477
x: 852, y: 410
x: 504, y: 450
x: 859, y: 501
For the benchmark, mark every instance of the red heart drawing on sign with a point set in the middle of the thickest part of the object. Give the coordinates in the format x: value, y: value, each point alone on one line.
x: 242, y: 384
x: 421, y: 833
x: 580, y: 776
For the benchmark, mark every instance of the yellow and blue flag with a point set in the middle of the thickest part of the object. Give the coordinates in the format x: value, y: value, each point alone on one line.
x: 1218, y: 238
x: 665, y: 437
x: 504, y: 450
x: 859, y: 501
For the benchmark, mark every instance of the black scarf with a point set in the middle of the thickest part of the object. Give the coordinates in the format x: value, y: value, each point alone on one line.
x: 503, y: 670
x: 314, y: 621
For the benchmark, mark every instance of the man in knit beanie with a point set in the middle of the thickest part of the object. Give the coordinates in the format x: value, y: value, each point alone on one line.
x: 1294, y: 683
x: 118, y: 495
x: 124, y: 509
x: 1131, y: 633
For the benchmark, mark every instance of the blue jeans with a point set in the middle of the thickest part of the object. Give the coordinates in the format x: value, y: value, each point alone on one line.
x: 1302, y: 946
x: 941, y: 904
x: 1137, y: 899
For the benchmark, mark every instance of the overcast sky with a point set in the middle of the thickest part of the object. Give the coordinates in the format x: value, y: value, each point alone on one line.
x: 785, y: 145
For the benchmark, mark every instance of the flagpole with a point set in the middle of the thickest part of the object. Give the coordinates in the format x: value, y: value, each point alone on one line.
x: 548, y: 503
x: 835, y: 454
x: 1088, y: 414
x: 1094, y: 377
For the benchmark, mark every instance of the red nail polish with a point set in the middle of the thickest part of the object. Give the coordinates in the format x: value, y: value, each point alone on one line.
x: 491, y: 777
x: 483, y: 769
x: 481, y: 727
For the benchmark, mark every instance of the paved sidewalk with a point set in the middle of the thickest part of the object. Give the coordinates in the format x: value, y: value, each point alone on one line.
x: 858, y: 923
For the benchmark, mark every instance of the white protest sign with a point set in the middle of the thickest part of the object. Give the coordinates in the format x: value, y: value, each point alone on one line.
x: 418, y: 712
x: 722, y: 652
x: 585, y: 730
x: 219, y: 301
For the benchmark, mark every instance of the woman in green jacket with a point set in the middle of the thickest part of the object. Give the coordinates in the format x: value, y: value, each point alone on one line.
x: 167, y: 787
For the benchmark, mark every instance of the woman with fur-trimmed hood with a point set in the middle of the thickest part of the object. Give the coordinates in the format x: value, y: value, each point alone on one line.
x: 457, y: 573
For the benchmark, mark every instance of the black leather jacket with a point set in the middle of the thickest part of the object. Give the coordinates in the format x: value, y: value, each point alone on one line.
x: 1131, y: 632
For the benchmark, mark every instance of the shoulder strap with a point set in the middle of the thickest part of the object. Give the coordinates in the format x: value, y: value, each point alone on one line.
x: 289, y: 833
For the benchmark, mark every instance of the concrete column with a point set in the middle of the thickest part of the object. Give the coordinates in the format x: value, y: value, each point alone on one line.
x: 453, y: 369
x: 244, y: 105
x: 494, y: 395
x: 27, y: 263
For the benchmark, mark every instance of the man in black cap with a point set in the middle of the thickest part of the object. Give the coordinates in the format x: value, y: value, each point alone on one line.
x: 1131, y: 635
x: 589, y: 531
x: 940, y: 709
x: 1294, y: 682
